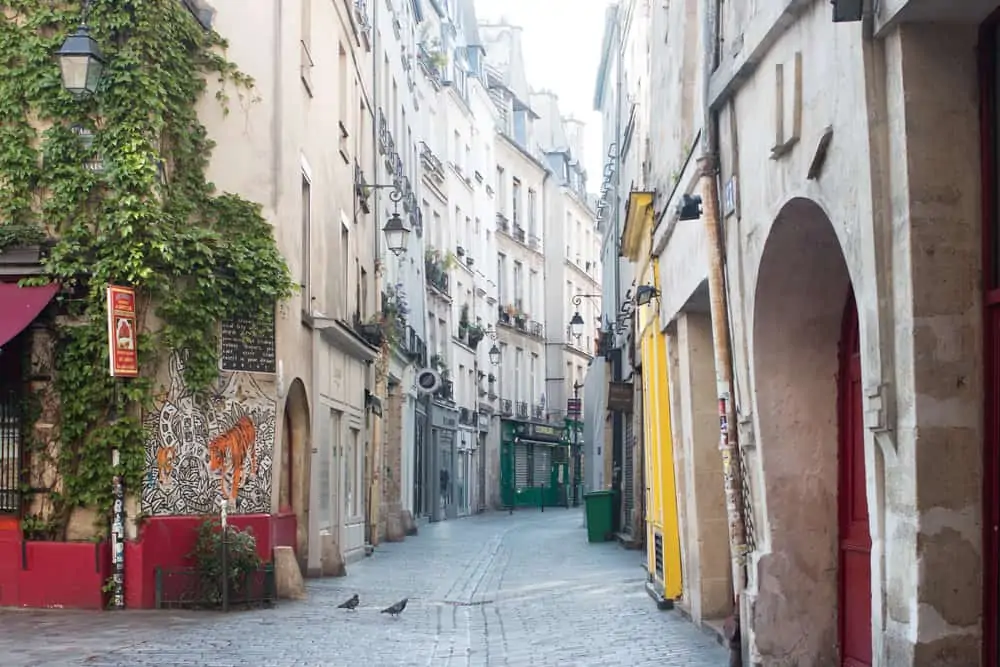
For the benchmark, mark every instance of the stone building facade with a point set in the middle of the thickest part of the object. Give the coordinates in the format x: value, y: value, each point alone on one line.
x: 859, y: 268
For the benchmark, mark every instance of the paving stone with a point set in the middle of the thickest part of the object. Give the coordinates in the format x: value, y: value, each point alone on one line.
x: 486, y: 591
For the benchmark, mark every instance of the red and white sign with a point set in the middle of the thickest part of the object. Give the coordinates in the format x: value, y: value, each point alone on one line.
x: 123, y: 339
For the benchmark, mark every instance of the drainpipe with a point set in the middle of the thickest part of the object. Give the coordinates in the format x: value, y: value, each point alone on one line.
x: 728, y: 444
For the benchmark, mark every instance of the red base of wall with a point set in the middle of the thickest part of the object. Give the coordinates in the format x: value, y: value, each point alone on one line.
x: 72, y: 574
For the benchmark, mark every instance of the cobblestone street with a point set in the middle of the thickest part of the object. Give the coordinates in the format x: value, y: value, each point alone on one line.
x: 517, y: 590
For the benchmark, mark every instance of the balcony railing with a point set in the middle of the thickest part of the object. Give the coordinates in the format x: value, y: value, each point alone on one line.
x: 522, y: 409
x: 502, y: 223
x: 519, y: 233
x: 536, y: 329
x: 539, y: 411
x: 506, y: 407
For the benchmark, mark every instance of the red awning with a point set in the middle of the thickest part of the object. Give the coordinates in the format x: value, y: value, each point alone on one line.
x: 19, y: 306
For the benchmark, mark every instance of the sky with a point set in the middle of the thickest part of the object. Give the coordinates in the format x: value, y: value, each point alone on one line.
x: 562, y: 49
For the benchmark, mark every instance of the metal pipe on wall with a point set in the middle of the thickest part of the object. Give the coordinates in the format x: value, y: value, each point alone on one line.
x: 728, y: 435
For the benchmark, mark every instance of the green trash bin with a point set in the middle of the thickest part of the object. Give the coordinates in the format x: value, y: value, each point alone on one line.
x: 600, y: 515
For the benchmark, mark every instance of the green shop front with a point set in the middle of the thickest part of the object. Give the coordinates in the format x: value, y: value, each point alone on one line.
x: 534, y: 465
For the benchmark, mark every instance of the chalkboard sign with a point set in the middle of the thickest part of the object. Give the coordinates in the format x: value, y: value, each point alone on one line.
x: 248, y: 347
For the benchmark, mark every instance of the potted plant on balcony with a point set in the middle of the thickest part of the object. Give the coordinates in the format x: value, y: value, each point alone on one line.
x: 521, y: 320
x: 476, y: 335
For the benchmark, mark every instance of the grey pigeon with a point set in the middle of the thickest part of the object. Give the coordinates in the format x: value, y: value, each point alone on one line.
x: 351, y: 604
x: 396, y: 609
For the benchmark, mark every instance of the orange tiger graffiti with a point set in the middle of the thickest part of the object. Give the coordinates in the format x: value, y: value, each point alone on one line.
x: 165, y: 457
x: 231, y: 448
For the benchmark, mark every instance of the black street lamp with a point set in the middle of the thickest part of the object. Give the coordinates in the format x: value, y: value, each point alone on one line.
x: 494, y: 351
x: 81, y: 61
x: 576, y: 323
x: 396, y: 234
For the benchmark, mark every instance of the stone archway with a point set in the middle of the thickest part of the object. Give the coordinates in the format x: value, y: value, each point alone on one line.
x: 803, y: 285
x: 293, y: 471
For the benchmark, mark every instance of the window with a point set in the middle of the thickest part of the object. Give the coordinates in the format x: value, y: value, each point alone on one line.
x: 305, y: 46
x: 521, y: 127
x: 306, y: 272
x: 363, y: 295
x: 518, y: 285
x: 519, y: 388
x: 534, y: 294
x: 516, y: 203
x: 501, y: 187
x: 532, y: 225
x: 531, y: 378
x: 344, y: 108
x: 345, y: 265
x: 502, y: 278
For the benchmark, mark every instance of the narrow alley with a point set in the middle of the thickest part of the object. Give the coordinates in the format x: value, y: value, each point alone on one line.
x: 490, y: 590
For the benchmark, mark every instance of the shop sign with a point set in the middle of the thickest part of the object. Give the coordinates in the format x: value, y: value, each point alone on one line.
x: 620, y: 395
x: 123, y: 340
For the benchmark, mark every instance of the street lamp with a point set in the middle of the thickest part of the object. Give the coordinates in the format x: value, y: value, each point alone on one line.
x: 396, y: 234
x: 395, y: 229
x: 494, y: 351
x: 81, y: 61
x: 576, y: 323
x: 644, y: 294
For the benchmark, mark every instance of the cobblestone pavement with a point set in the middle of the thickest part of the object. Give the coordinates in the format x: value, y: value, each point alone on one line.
x: 490, y: 590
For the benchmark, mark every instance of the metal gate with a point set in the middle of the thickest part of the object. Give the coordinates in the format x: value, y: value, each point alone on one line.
x: 542, y: 465
x: 10, y: 451
x: 521, y: 469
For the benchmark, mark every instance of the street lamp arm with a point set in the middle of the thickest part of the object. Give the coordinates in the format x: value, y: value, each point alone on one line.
x: 578, y: 299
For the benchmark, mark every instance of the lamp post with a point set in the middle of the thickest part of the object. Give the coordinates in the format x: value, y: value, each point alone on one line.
x: 81, y: 61
x: 577, y: 323
x: 494, y: 350
x: 396, y: 232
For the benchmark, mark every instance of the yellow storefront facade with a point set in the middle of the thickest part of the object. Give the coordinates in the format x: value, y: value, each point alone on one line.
x: 662, y: 532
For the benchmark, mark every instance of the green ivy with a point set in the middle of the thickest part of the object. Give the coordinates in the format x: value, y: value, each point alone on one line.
x: 149, y: 218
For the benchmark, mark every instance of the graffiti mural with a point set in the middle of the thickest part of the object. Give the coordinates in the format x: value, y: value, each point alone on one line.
x: 198, y: 454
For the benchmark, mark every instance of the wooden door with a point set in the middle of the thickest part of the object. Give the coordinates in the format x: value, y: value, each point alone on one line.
x: 855, y: 535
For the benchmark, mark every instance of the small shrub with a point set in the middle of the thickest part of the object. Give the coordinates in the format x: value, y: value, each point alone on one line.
x: 241, y: 558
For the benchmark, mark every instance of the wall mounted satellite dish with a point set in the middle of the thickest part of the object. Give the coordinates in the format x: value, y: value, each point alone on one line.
x: 428, y: 381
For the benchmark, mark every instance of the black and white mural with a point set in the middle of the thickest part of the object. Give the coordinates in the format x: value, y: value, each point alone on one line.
x: 196, y: 455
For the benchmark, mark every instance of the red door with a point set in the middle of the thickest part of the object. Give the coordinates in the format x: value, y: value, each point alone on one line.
x: 855, y: 535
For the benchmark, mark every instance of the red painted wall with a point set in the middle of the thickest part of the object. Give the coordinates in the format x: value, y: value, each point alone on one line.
x: 72, y: 574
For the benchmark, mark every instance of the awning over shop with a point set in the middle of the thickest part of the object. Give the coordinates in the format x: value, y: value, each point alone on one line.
x: 19, y: 306
x: 525, y: 441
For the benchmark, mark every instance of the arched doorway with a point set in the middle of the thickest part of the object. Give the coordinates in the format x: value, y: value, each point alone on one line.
x: 293, y: 472
x: 798, y: 317
x: 855, y: 541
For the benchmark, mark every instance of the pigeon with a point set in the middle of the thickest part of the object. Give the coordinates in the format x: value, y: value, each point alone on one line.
x: 396, y: 609
x: 351, y: 604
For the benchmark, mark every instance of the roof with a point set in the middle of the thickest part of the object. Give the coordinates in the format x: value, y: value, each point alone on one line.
x: 502, y: 43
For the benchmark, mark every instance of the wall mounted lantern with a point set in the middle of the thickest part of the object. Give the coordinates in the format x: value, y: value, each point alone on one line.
x: 494, y: 351
x: 396, y: 232
x: 645, y: 293
x: 576, y: 324
x: 81, y: 61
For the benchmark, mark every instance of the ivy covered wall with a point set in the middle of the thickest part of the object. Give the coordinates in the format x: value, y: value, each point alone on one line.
x: 146, y: 218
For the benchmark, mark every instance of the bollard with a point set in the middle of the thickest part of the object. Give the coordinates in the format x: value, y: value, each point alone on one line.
x: 225, y: 557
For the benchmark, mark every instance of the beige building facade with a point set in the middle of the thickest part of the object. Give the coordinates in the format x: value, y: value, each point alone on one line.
x: 310, y: 65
